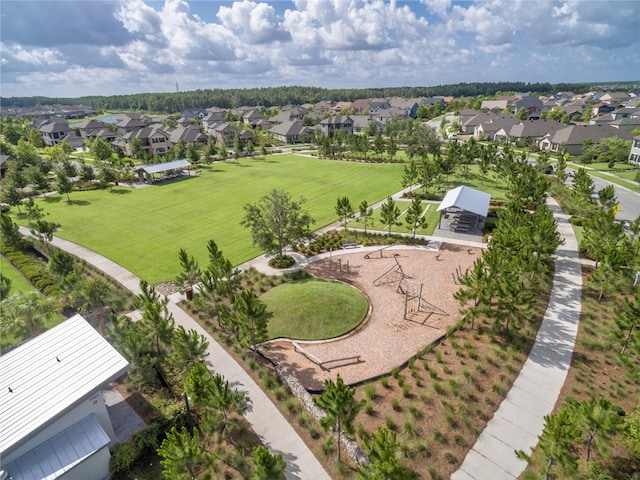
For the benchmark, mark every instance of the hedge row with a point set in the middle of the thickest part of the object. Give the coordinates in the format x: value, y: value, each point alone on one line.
x: 34, y: 271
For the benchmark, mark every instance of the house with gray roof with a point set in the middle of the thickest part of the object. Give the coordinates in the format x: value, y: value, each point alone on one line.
x: 288, y: 132
x: 55, y: 132
x: 487, y: 130
x: 329, y: 126
x: 527, y: 132
x: 574, y: 135
x: 155, y: 140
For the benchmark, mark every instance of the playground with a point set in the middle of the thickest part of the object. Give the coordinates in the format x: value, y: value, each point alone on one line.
x: 410, y: 292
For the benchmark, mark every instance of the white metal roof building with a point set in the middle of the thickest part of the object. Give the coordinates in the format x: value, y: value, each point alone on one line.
x: 50, y: 389
x: 464, y: 209
x: 148, y: 171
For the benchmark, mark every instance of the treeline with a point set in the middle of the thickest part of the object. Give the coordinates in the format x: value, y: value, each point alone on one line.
x: 278, y: 96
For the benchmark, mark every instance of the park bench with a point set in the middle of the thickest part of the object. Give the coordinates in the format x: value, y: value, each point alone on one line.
x: 349, y: 243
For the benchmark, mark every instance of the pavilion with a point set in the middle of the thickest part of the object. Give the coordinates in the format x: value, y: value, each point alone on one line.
x: 464, y: 209
x: 146, y: 173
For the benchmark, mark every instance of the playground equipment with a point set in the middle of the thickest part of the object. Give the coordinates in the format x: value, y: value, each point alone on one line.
x: 415, y: 303
x: 371, y: 255
x: 394, y: 276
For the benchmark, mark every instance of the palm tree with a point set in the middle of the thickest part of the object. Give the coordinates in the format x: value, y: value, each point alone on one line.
x: 27, y: 310
x: 340, y: 406
x: 90, y: 295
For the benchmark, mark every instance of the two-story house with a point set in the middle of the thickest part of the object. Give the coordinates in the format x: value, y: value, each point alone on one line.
x: 329, y: 126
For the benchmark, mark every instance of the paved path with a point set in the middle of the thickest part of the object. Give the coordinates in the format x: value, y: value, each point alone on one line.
x: 520, y: 418
x: 267, y: 421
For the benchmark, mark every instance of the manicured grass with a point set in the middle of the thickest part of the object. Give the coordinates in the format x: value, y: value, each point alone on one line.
x: 323, y: 309
x: 18, y: 282
x: 614, y: 179
x: 143, y: 229
x: 431, y: 215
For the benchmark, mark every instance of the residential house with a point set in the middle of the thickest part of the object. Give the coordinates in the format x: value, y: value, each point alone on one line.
x: 252, y: 118
x: 361, y: 123
x: 212, y: 119
x: 527, y: 132
x: 340, y: 107
x: 532, y: 105
x: 87, y: 126
x: 155, y: 140
x: 288, y: 132
x: 495, y: 106
x: 407, y: 105
x: 291, y: 114
x: 574, y: 111
x: 634, y: 154
x: 185, y: 134
x: 198, y: 113
x: 614, y: 97
x: 54, y: 132
x: 601, y: 108
x: 487, y: 130
x: 574, y: 135
x: 131, y: 122
x: 466, y: 115
x: 225, y: 134
x: 378, y: 104
x: 55, y: 423
x: 627, y: 124
x: 324, y: 106
x: 388, y: 114
x: 625, y: 112
x: 361, y: 106
x: 330, y: 125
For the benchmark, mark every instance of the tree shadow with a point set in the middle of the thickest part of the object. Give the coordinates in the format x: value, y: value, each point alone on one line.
x: 120, y: 191
x: 54, y: 199
x: 80, y: 203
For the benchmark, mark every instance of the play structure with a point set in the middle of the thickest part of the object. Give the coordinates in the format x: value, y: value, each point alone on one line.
x: 415, y: 304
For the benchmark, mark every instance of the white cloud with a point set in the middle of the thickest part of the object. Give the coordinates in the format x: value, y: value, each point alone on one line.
x: 256, y: 23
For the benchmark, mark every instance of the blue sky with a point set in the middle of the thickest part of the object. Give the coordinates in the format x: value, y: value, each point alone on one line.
x: 94, y: 47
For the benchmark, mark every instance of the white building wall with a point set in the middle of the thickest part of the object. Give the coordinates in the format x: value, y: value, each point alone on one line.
x: 94, y: 404
x: 96, y: 467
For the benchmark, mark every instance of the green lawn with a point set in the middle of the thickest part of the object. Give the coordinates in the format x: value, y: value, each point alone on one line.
x: 323, y: 309
x: 431, y: 215
x: 143, y: 229
x: 18, y: 282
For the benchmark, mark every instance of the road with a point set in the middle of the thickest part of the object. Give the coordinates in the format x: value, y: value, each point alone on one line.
x: 629, y: 201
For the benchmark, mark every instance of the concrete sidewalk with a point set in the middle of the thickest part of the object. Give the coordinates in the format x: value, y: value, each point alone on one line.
x: 265, y: 419
x: 519, y: 420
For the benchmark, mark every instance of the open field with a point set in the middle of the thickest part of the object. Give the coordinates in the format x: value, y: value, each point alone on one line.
x: 143, y: 229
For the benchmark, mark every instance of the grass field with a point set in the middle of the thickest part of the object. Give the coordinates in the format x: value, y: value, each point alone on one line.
x: 18, y: 282
x: 143, y: 229
x: 323, y: 309
x: 431, y: 215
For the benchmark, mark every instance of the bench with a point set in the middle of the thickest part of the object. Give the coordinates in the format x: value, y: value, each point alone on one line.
x: 322, y: 363
x: 349, y: 243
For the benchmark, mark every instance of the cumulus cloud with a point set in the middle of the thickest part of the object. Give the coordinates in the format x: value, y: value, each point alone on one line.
x: 255, y: 23
x: 145, y: 45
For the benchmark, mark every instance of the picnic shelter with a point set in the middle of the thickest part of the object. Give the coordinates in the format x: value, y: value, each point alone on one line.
x: 176, y: 168
x: 464, y: 209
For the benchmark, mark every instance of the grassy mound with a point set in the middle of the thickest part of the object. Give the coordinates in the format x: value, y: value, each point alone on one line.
x: 314, y: 309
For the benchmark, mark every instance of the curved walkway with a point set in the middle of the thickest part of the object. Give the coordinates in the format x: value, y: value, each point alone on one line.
x: 519, y: 420
x: 516, y: 424
x: 266, y: 420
